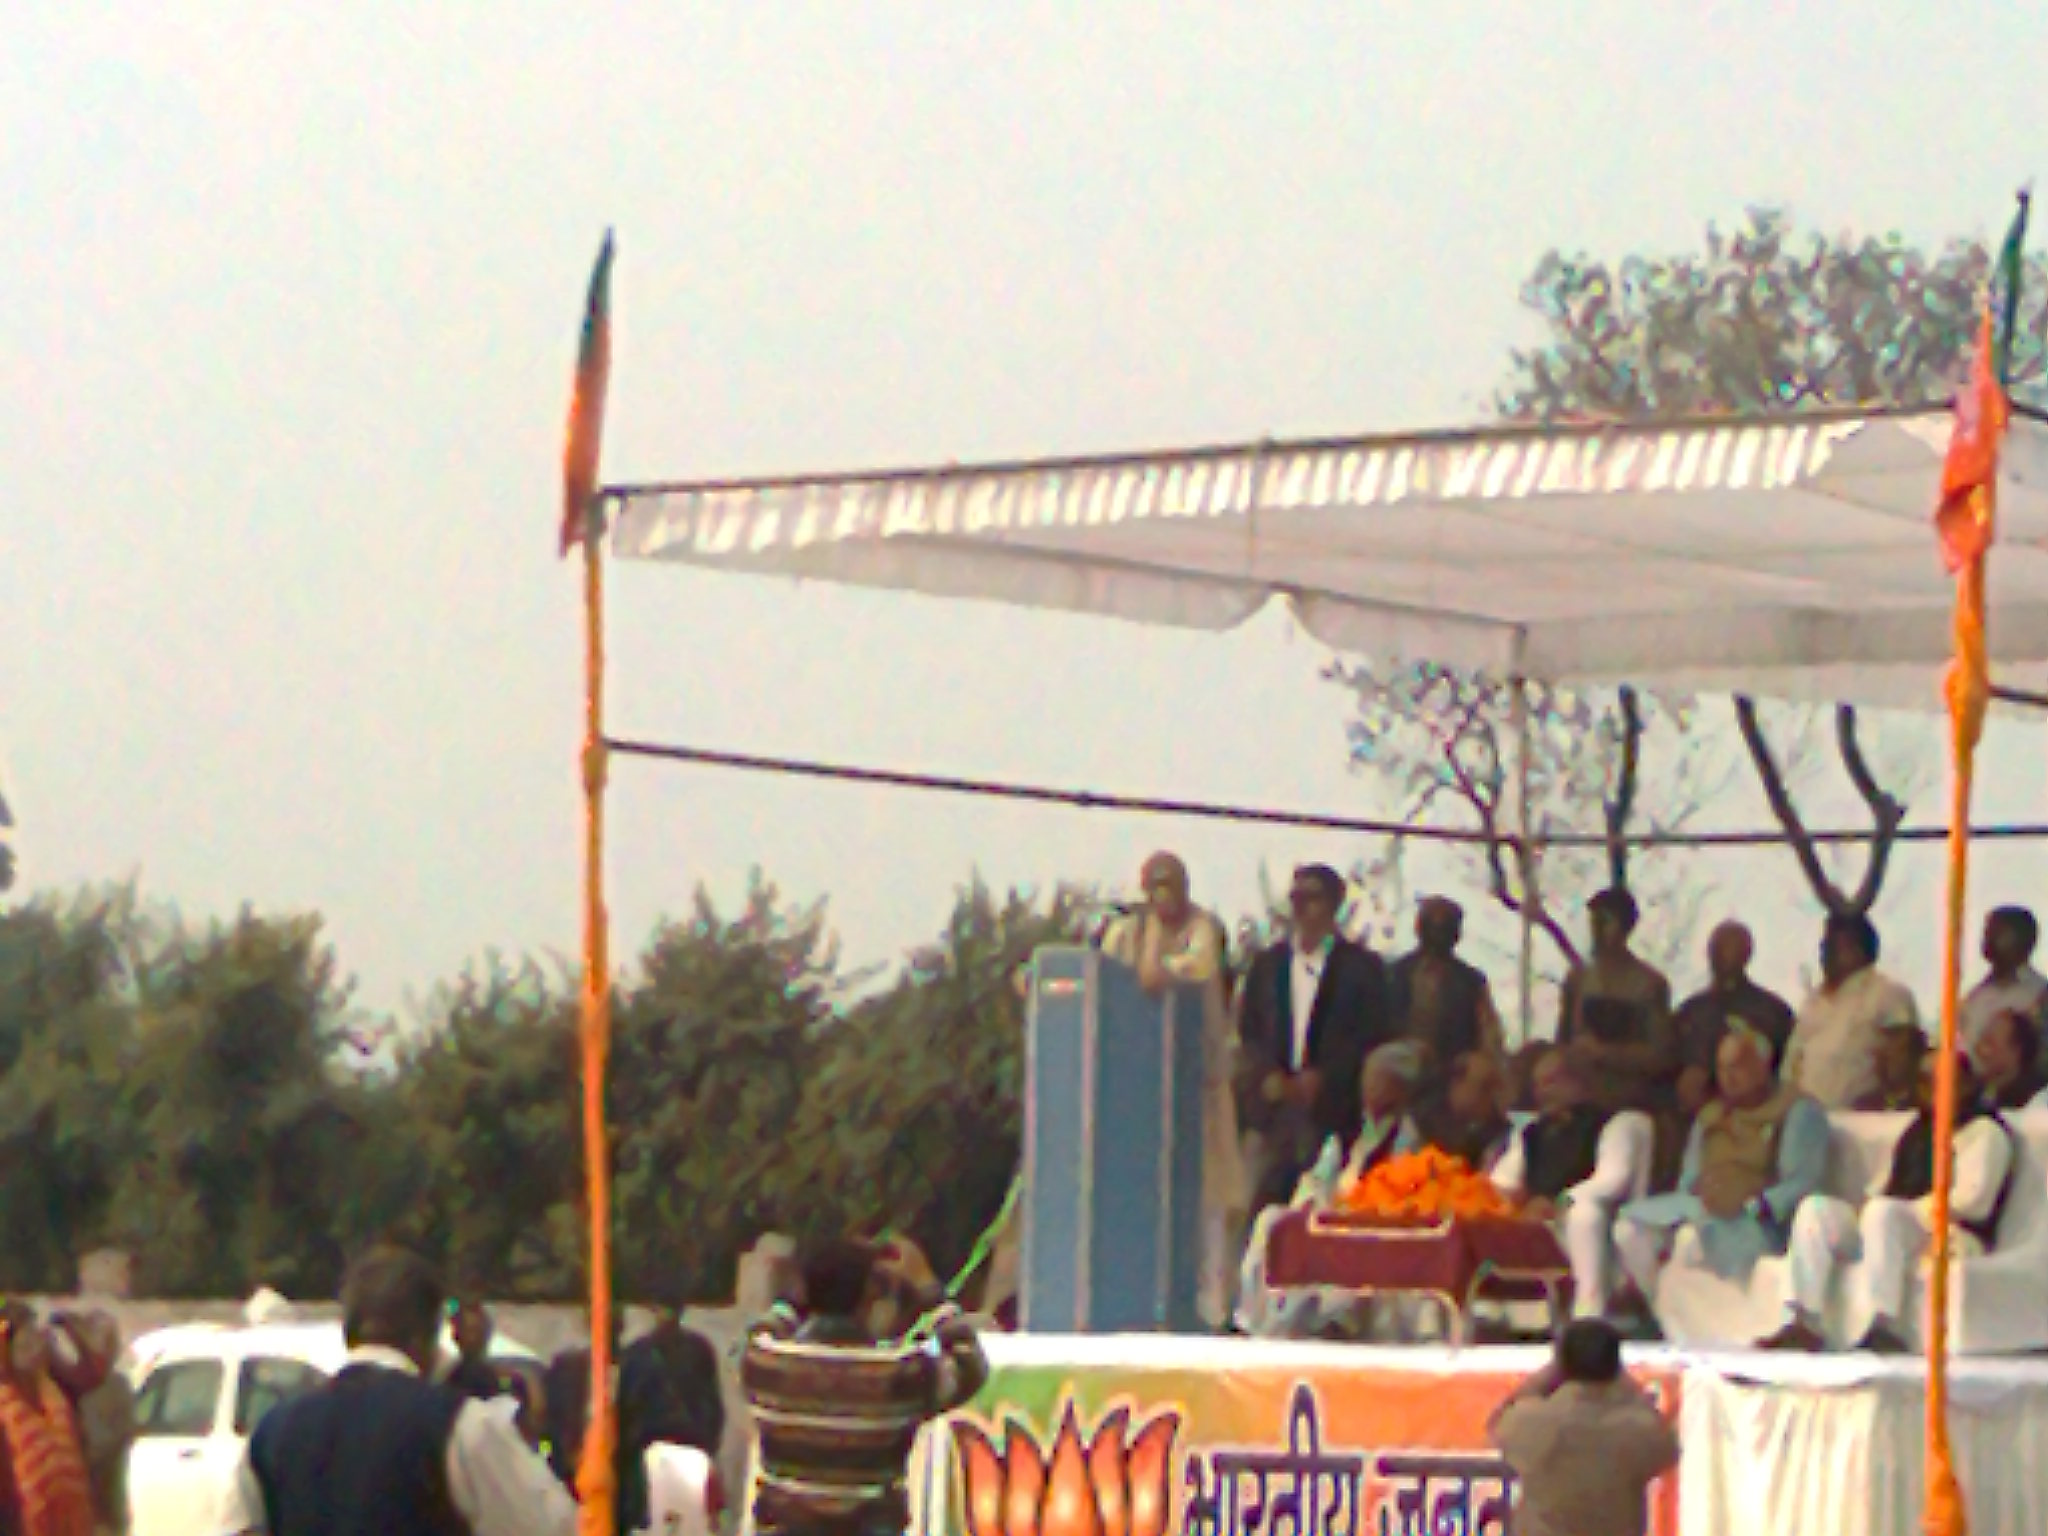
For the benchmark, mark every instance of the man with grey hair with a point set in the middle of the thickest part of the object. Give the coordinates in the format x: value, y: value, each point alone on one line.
x: 1572, y: 1167
x: 1386, y: 1130
x: 1755, y: 1154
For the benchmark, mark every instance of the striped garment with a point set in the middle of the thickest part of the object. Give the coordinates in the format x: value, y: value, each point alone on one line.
x: 52, y: 1488
x: 837, y: 1423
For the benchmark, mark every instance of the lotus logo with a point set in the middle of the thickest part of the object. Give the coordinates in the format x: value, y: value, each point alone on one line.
x: 1110, y: 1483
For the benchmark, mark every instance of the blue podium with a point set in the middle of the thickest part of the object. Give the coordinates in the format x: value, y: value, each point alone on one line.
x: 1112, y: 1150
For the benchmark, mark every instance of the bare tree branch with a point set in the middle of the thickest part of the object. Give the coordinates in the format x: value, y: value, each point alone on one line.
x: 1621, y: 804
x: 1887, y: 813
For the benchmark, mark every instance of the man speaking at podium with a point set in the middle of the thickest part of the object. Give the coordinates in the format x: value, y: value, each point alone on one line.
x: 1170, y: 941
x: 1313, y: 1007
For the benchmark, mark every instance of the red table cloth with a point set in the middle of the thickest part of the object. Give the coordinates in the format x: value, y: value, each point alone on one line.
x: 1456, y: 1259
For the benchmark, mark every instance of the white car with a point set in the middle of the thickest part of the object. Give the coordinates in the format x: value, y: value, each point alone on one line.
x: 201, y: 1390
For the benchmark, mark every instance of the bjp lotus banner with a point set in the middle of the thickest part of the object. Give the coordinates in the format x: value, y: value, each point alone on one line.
x: 1310, y: 1444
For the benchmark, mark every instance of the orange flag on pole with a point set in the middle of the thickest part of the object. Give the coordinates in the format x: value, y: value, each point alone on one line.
x: 586, y: 410
x: 1968, y: 478
x: 1966, y: 521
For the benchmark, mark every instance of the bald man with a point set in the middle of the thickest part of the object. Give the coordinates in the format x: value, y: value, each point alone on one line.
x: 1756, y: 1152
x: 1702, y: 1023
x: 1169, y: 941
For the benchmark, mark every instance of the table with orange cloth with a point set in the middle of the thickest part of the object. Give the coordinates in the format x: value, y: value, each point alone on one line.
x: 1422, y: 1225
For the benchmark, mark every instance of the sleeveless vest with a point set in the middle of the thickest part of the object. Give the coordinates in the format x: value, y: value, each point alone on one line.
x: 1912, y: 1176
x: 1558, y: 1154
x: 1744, y: 1142
x: 366, y: 1455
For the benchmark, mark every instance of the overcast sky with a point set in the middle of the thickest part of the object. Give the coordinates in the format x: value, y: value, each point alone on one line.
x: 290, y: 297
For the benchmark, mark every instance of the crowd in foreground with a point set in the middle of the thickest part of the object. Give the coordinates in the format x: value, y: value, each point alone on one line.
x: 1645, y: 1126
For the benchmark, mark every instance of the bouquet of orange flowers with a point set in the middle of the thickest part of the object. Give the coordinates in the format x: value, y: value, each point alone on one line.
x: 1429, y: 1185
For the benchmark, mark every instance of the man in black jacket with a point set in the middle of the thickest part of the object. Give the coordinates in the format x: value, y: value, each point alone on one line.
x: 1312, y: 1009
x: 669, y: 1394
x: 381, y: 1450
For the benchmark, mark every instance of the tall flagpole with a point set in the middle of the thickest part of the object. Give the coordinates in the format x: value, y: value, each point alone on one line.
x: 1967, y: 524
x: 597, y: 1479
x: 583, y: 511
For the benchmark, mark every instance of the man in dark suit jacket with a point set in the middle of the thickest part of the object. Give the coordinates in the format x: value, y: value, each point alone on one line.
x: 1312, y: 1009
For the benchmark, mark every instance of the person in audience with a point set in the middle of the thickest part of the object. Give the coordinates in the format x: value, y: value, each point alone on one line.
x: 1572, y: 1167
x: 1438, y: 1000
x: 1312, y: 1008
x: 2007, y: 1062
x: 1469, y: 1121
x: 1901, y: 1048
x: 380, y: 1448
x: 1584, y: 1441
x: 669, y: 1394
x: 1703, y: 1019
x: 474, y: 1377
x: 1616, y: 1011
x: 1892, y: 1233
x: 2012, y: 984
x: 1169, y: 940
x: 1833, y: 1051
x: 45, y: 1468
x: 1385, y: 1130
x: 106, y: 1426
x: 1757, y: 1151
x: 832, y: 1448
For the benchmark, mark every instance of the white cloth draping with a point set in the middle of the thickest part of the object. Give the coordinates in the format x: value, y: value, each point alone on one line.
x: 1761, y: 1459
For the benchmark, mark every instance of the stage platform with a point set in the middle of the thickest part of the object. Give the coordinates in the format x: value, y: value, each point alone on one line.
x: 1239, y: 1437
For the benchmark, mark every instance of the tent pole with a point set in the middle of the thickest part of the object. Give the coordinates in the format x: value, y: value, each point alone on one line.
x: 1525, y: 862
x: 596, y: 1478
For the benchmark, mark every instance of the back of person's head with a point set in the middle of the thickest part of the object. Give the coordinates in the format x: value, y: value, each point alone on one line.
x: 1858, y: 930
x: 837, y: 1276
x: 1589, y: 1351
x: 395, y: 1300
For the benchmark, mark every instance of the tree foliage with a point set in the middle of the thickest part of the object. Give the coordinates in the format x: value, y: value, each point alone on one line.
x: 1765, y: 316
x: 199, y: 1096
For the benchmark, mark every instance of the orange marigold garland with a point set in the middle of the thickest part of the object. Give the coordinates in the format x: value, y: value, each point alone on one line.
x: 1429, y: 1184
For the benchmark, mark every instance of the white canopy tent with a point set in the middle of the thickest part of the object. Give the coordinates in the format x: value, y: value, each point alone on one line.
x: 1790, y: 556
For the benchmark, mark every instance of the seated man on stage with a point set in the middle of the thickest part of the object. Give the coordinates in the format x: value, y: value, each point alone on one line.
x: 1572, y: 1166
x: 2007, y: 1059
x: 1894, y: 1231
x: 1469, y: 1121
x: 1385, y: 1131
x: 1901, y: 1052
x: 1755, y: 1153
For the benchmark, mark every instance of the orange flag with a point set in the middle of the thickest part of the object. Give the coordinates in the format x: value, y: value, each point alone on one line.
x: 586, y: 410
x: 1964, y: 518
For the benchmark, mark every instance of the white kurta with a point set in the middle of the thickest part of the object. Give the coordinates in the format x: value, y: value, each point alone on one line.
x: 1585, y: 1218
x: 1887, y: 1239
x: 1832, y: 1054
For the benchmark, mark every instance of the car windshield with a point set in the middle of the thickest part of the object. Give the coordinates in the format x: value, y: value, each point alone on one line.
x: 264, y: 1384
x: 180, y: 1398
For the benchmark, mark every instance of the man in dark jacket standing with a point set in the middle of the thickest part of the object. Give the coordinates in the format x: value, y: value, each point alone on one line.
x: 669, y: 1394
x: 382, y: 1450
x: 1312, y: 1009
